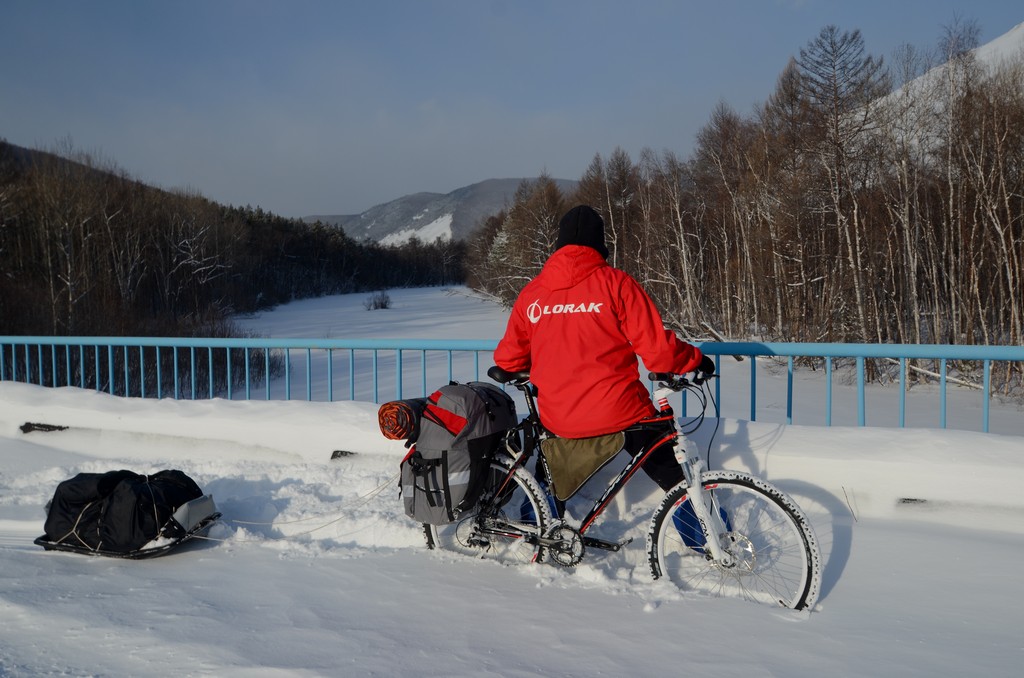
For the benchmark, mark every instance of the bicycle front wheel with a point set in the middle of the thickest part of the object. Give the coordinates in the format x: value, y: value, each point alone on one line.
x: 505, y: 525
x: 774, y: 552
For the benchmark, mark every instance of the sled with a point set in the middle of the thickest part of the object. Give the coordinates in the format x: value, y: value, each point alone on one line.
x: 189, y: 520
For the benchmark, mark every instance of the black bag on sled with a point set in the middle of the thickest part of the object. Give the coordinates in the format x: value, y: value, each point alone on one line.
x: 460, y: 428
x: 125, y: 514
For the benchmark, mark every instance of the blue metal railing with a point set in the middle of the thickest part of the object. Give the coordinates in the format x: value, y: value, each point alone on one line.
x: 192, y: 368
x: 367, y: 369
x: 901, y: 353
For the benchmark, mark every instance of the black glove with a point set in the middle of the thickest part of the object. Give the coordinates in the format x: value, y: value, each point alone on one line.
x: 707, y: 365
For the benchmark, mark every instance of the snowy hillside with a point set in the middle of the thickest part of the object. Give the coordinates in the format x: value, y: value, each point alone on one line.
x: 428, y: 216
x: 1006, y: 50
x: 315, y: 571
x: 1008, y: 47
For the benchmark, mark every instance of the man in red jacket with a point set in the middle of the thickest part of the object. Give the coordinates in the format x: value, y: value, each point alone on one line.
x: 578, y: 328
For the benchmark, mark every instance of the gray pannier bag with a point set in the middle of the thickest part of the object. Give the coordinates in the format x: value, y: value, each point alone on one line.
x: 460, y: 428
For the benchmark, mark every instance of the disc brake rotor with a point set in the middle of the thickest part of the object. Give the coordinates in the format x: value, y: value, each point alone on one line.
x: 744, y: 556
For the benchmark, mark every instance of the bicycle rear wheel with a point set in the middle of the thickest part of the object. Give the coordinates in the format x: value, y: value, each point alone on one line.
x: 503, y: 528
x: 775, y: 552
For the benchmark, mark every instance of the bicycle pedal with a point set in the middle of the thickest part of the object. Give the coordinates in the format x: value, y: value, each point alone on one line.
x: 605, y: 545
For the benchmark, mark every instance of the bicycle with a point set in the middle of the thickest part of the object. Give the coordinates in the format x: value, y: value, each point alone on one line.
x: 718, y: 532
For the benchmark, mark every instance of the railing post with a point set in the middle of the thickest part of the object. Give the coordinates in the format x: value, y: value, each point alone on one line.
x: 718, y: 388
x: 330, y: 375
x: 287, y: 373
x: 351, y: 374
x: 248, y: 378
x: 753, y: 388
x: 423, y: 371
x: 789, y: 391
x: 110, y: 369
x: 861, y: 404
x: 309, y: 374
x: 903, y: 392
x: 227, y: 355
x: 266, y: 369
x: 942, y: 394
x: 986, y: 385
x: 376, y: 391
x: 398, y: 374
x: 828, y: 390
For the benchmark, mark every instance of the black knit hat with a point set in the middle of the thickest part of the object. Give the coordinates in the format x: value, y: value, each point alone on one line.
x: 582, y: 225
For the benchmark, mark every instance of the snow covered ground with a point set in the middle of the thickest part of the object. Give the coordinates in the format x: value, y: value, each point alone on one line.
x: 315, y: 571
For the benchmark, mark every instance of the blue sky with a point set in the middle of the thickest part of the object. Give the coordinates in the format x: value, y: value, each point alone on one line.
x: 317, y: 107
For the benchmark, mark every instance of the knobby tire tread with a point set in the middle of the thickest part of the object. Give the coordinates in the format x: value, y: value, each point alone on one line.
x: 796, y: 523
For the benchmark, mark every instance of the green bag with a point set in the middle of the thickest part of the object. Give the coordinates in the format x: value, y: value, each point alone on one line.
x: 572, y: 461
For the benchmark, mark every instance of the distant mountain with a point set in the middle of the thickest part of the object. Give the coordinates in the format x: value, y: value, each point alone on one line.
x: 1006, y: 50
x: 429, y: 216
x: 19, y: 156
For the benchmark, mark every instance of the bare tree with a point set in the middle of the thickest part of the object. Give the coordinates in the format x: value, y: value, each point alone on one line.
x: 843, y: 85
x: 525, y: 238
x: 63, y: 215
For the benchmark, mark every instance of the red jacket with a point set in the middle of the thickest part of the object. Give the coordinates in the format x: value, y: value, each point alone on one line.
x: 578, y: 328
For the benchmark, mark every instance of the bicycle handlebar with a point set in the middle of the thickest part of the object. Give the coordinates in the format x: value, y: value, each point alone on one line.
x: 676, y: 382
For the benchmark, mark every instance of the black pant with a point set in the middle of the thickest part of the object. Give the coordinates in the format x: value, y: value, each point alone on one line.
x: 661, y: 466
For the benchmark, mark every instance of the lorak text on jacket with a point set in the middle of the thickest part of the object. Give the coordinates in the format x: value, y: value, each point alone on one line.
x: 535, y: 311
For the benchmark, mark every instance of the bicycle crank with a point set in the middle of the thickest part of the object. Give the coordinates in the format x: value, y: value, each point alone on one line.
x: 605, y: 545
x: 564, y: 544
